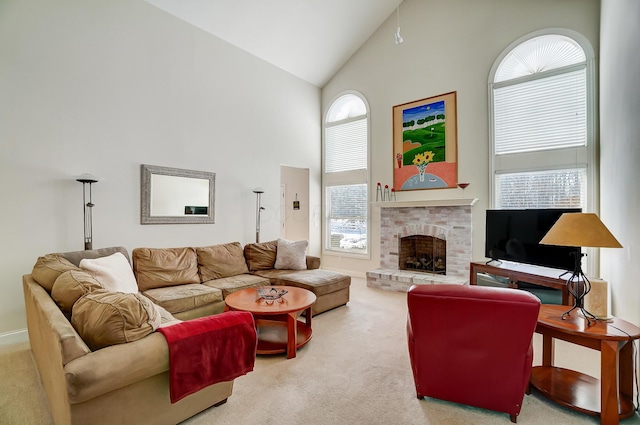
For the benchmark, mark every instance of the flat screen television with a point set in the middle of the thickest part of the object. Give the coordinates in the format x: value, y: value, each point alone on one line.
x: 514, y: 235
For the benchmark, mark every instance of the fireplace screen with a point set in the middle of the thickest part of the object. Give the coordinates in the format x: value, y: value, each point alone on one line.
x: 423, y: 253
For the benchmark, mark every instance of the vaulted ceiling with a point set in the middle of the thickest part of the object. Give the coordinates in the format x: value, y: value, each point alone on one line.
x: 311, y: 39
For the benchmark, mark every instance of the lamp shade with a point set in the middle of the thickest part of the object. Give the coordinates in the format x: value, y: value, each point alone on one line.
x: 580, y: 229
x: 87, y: 178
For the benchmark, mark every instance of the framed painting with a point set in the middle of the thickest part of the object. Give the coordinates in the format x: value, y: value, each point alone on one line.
x: 425, y: 139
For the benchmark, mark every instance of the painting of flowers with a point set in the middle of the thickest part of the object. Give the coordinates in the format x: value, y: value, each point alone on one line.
x: 425, y: 144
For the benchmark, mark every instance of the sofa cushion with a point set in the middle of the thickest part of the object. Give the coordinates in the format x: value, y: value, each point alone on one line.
x: 181, y: 298
x: 113, y: 272
x: 70, y: 286
x: 104, y: 318
x: 219, y: 261
x: 261, y: 256
x: 291, y: 255
x: 320, y: 282
x: 234, y: 283
x: 157, y: 268
x: 48, y: 268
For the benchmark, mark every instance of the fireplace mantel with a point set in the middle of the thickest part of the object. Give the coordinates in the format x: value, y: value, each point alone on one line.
x: 429, y: 203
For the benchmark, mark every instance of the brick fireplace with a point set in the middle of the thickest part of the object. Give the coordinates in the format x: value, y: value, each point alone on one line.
x: 423, y: 242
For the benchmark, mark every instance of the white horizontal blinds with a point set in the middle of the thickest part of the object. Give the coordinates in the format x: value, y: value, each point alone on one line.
x: 539, y: 54
x: 541, y: 114
x: 542, y: 189
x: 346, y: 146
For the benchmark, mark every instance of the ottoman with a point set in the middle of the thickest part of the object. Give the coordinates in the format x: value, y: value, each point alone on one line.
x: 330, y: 288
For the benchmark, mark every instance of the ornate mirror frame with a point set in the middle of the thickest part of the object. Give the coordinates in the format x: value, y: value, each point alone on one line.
x: 146, y: 193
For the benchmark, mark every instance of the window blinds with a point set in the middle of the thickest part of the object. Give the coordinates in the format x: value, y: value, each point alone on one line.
x: 541, y: 114
x: 346, y: 146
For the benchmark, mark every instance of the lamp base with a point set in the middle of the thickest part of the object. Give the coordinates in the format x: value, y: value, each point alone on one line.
x: 598, y: 318
x: 582, y: 312
x: 579, y: 286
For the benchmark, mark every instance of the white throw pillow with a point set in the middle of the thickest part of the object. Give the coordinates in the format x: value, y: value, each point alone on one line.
x: 291, y: 255
x: 114, y: 272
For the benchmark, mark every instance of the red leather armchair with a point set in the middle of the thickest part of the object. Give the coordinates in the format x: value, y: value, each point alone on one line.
x: 472, y: 344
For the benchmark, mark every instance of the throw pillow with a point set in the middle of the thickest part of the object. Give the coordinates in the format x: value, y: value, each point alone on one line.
x: 48, y: 268
x: 70, y: 286
x: 260, y: 255
x: 105, y: 318
x: 291, y: 255
x: 113, y: 272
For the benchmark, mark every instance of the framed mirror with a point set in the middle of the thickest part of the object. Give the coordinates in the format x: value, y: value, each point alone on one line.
x: 176, y: 196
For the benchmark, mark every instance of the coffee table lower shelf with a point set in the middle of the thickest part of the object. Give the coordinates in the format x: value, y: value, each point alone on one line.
x: 272, y: 336
x: 574, y: 390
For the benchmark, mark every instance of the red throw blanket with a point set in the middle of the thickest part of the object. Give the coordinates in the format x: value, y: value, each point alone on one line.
x: 208, y: 350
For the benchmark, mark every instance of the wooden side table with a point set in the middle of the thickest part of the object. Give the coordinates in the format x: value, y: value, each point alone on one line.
x: 611, y: 396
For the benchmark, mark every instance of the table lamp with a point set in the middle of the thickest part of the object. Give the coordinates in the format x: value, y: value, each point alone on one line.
x: 580, y: 230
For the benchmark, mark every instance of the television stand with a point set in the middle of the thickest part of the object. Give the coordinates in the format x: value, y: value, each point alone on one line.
x: 518, y: 272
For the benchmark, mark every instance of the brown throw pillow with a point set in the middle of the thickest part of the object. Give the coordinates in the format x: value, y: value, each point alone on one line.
x: 218, y: 261
x: 70, y: 286
x: 105, y: 318
x: 48, y: 268
x: 261, y: 256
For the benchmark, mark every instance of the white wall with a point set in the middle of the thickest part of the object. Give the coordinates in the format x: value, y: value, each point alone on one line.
x: 449, y: 45
x: 620, y: 152
x: 102, y: 87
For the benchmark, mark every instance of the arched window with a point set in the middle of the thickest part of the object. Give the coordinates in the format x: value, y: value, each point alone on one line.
x: 345, y: 175
x: 542, y: 123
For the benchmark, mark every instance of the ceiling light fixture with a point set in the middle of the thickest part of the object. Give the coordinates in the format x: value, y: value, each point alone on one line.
x: 399, y: 39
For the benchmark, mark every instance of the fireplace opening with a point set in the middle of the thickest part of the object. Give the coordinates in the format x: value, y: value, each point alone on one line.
x: 423, y: 253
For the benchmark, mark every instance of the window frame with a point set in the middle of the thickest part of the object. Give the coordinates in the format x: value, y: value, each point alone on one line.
x: 582, y: 156
x: 345, y: 178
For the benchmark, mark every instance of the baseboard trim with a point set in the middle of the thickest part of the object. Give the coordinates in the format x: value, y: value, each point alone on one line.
x: 14, y: 337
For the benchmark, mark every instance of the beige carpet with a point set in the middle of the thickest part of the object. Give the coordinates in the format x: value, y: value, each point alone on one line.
x: 355, y: 370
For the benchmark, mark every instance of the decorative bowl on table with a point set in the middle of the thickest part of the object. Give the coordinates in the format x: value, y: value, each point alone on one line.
x: 271, y: 295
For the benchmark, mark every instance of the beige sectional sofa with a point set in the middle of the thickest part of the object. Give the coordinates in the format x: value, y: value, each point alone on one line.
x: 121, y: 375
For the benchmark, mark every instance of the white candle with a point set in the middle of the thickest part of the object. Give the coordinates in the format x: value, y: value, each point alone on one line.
x: 596, y: 301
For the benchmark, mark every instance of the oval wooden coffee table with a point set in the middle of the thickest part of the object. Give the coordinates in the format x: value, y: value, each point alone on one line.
x: 278, y: 327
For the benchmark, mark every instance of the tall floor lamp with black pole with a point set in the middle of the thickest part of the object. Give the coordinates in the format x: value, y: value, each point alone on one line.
x: 259, y: 208
x: 87, y: 180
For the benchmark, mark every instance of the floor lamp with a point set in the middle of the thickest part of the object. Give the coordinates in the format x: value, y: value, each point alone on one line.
x: 580, y: 230
x: 87, y: 179
x: 258, y: 191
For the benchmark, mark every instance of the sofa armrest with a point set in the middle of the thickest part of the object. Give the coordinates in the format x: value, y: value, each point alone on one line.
x: 116, y: 366
x: 313, y: 262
